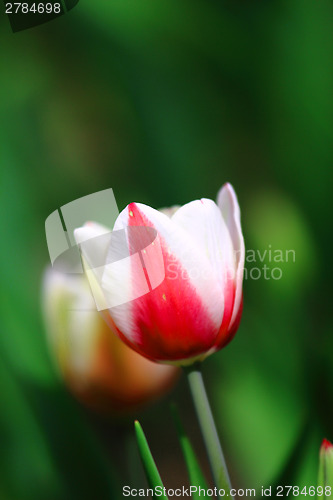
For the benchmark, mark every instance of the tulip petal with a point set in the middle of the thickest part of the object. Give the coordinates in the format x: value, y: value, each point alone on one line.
x: 228, y: 204
x: 181, y: 316
x: 72, y: 336
x: 94, y: 241
x: 204, y: 223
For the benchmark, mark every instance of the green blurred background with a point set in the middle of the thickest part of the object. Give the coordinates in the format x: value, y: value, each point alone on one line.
x: 164, y: 101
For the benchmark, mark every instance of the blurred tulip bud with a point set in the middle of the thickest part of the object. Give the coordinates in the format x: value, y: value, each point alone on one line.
x: 99, y: 369
x: 325, y: 476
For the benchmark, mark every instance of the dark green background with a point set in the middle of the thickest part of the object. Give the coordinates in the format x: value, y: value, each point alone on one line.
x: 164, y: 101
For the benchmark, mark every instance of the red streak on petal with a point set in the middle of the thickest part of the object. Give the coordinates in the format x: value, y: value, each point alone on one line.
x: 171, y: 321
x: 225, y: 333
x: 232, y: 331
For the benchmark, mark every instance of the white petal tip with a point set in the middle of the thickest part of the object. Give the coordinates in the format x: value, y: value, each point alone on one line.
x: 88, y: 231
x: 81, y: 234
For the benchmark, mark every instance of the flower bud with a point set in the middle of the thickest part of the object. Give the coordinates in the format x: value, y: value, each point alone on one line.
x: 325, y: 476
x: 99, y: 369
x: 173, y: 294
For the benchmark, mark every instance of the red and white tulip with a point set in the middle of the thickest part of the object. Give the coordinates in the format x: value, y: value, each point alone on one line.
x: 178, y: 298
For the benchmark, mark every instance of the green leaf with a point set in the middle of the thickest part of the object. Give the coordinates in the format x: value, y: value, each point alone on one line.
x: 149, y: 465
x: 195, y: 473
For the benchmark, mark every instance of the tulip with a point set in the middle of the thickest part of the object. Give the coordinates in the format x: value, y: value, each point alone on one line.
x: 99, y: 369
x: 325, y: 475
x: 179, y: 298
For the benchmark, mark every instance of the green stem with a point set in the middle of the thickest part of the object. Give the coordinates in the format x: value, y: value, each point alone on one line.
x: 208, y: 428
